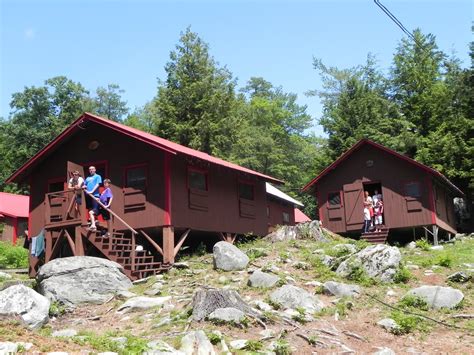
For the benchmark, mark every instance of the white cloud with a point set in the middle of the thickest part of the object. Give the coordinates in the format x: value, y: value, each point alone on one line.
x: 29, y: 33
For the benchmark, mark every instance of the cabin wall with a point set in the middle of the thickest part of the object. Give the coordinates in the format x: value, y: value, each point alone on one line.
x: 9, y: 228
x: 444, y: 206
x: 276, y: 208
x: 219, y: 211
x: 118, y: 152
x: 371, y: 165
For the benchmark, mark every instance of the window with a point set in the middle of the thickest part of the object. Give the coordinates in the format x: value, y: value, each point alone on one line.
x: 286, y: 217
x: 246, y: 191
x: 334, y: 199
x: 197, y: 180
x: 55, y: 186
x: 412, y: 189
x: 136, y: 177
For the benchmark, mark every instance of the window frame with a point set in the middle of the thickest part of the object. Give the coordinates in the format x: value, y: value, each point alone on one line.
x: 283, y: 214
x: 204, y: 172
x: 333, y: 192
x: 410, y: 197
x: 249, y: 183
x: 126, y: 168
x: 56, y: 180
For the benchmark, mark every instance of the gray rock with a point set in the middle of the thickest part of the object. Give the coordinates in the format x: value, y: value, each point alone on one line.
x: 411, y: 246
x: 141, y: 303
x: 344, y: 249
x: 384, y: 351
x: 5, y: 276
x: 459, y: 276
x: 228, y: 314
x: 329, y: 261
x: 308, y: 230
x: 379, y: 261
x: 388, y: 324
x: 7, y: 347
x: 154, y: 290
x: 262, y: 279
x: 159, y: 347
x: 228, y: 257
x: 64, y: 333
x: 81, y: 279
x: 32, y: 307
x: 238, y: 344
x: 181, y: 265
x: 437, y: 296
x: 437, y: 247
x: 289, y: 296
x: 196, y: 343
x: 341, y: 289
x: 125, y: 294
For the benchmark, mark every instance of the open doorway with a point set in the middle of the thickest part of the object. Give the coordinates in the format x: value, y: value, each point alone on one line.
x: 375, y: 192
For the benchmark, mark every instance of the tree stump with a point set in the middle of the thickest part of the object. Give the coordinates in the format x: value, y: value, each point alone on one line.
x: 206, y: 301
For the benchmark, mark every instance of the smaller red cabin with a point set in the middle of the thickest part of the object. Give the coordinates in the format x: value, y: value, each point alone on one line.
x: 13, y: 216
x: 280, y: 207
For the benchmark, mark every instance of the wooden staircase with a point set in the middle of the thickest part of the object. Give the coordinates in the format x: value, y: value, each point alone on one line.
x: 376, y: 237
x: 120, y: 248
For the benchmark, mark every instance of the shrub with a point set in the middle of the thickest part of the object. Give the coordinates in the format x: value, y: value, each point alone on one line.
x: 214, y: 338
x: 406, y: 323
x: 423, y: 244
x: 282, y: 348
x: 403, y: 275
x: 13, y: 256
x: 253, y: 345
x: 413, y: 302
x: 444, y: 260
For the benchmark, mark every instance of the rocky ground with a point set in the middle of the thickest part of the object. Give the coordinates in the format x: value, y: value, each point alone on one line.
x: 290, y: 293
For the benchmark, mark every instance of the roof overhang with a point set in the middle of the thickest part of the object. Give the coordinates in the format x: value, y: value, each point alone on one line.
x: 272, y: 190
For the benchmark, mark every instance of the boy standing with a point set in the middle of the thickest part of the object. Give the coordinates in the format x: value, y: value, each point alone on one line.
x: 91, y: 186
x: 105, y: 199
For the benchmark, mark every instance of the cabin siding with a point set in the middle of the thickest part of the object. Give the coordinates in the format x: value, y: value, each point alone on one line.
x: 118, y: 151
x: 276, y: 208
x: 393, y: 173
x: 220, y: 211
x: 444, y: 207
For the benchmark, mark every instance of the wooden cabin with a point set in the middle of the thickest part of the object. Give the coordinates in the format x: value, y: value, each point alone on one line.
x: 14, y: 211
x: 416, y: 197
x: 280, y: 208
x: 301, y: 217
x: 163, y: 192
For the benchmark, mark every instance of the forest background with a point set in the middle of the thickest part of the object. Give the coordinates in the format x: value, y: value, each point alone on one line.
x: 422, y: 106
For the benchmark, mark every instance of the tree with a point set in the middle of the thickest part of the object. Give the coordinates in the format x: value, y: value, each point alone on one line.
x: 108, y: 103
x: 39, y: 114
x: 195, y: 102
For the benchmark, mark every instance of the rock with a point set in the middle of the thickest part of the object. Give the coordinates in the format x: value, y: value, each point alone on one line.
x: 412, y: 267
x: 81, y: 279
x: 411, y: 246
x: 459, y: 276
x: 196, y: 343
x: 228, y: 314
x: 8, y: 347
x: 329, y: 261
x: 222, y: 279
x: 64, y: 333
x: 32, y: 307
x: 313, y: 283
x: 262, y: 279
x: 181, y: 265
x: 344, y: 249
x: 308, y: 230
x: 238, y: 344
x: 391, y: 293
x: 289, y: 296
x: 124, y: 294
x: 437, y: 247
x: 140, y: 303
x: 154, y: 290
x: 263, y: 306
x: 341, y: 289
x: 5, y: 276
x: 388, y: 324
x: 159, y: 347
x: 379, y: 261
x: 384, y: 351
x: 437, y: 296
x: 228, y: 257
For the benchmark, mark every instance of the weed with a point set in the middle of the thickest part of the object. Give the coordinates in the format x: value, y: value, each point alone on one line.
x: 413, y: 302
x: 423, y: 244
x: 12, y: 256
x: 214, y: 338
x: 407, y: 323
x: 282, y: 348
x: 444, y: 260
x: 255, y: 253
x: 300, y: 317
x: 359, y: 275
x: 276, y: 306
x: 403, y: 275
x: 56, y: 309
x: 253, y: 345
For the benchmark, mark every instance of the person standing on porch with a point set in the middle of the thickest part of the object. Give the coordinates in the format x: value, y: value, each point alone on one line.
x: 76, y: 183
x: 368, y: 208
x: 91, y: 186
x: 105, y: 199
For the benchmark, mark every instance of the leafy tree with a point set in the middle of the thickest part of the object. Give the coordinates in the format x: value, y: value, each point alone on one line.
x: 195, y: 103
x: 143, y: 118
x: 108, y: 103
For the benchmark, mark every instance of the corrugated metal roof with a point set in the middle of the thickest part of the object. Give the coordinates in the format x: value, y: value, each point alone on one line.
x: 148, y: 138
x: 13, y: 205
x: 272, y: 190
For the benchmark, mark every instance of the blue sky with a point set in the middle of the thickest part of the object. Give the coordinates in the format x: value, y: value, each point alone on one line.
x: 128, y: 42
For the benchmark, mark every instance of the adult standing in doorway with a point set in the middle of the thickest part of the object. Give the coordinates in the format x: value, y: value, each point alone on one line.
x: 368, y: 208
x: 91, y: 185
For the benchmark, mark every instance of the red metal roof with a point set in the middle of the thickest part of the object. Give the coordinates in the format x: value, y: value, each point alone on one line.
x: 365, y: 141
x: 158, y: 142
x: 13, y: 205
x: 300, y: 217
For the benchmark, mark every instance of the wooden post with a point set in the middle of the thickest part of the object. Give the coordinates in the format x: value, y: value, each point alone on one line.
x: 78, y: 241
x: 133, y: 253
x: 414, y: 234
x: 168, y: 244
x: 48, y: 245
x: 435, y: 234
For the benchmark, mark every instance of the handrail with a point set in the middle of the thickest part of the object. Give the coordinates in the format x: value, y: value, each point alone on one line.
x: 112, y: 213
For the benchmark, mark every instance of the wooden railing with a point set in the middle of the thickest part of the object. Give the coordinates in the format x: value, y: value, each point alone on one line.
x: 61, y: 209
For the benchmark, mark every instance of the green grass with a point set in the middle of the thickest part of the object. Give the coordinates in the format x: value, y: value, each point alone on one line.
x: 13, y: 256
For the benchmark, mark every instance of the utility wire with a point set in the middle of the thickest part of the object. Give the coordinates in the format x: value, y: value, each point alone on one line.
x: 396, y: 20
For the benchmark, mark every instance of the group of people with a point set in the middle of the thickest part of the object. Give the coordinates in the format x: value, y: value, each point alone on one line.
x: 373, y: 212
x: 97, y: 202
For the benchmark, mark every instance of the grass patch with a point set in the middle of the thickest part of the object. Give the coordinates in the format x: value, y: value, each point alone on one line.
x: 423, y: 244
x: 403, y: 275
x: 282, y: 347
x: 12, y: 256
x: 407, y: 323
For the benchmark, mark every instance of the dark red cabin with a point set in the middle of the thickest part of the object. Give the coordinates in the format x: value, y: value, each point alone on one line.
x: 13, y: 216
x: 163, y: 191
x: 415, y: 195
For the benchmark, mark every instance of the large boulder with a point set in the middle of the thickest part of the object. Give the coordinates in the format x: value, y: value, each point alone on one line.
x: 227, y: 315
x: 379, y: 261
x: 289, y: 296
x: 81, y: 279
x: 25, y: 302
x: 262, y: 279
x: 307, y: 230
x: 438, y: 296
x: 228, y: 257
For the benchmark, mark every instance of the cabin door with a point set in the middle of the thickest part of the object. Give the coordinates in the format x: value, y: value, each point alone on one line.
x: 354, y: 206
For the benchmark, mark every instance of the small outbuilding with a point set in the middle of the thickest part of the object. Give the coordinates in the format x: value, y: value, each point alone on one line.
x: 280, y: 207
x: 14, y: 211
x: 415, y: 196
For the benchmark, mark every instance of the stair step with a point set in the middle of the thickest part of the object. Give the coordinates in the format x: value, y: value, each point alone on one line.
x: 139, y: 259
x: 143, y: 266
